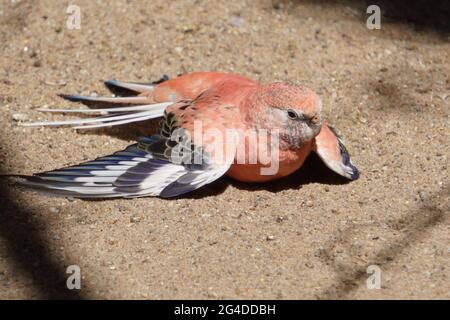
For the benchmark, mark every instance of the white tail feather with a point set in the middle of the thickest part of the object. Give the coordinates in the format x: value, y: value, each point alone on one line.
x: 115, y: 123
x: 109, y: 110
x: 131, y: 114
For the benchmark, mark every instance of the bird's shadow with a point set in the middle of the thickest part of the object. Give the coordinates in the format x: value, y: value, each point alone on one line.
x: 312, y: 171
x: 127, y: 132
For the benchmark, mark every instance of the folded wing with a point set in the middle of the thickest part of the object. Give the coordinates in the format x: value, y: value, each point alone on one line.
x: 330, y: 148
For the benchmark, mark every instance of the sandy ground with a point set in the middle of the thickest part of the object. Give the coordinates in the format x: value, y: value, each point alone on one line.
x: 309, y: 236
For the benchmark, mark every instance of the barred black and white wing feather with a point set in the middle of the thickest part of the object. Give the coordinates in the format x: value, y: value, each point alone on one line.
x: 157, y: 166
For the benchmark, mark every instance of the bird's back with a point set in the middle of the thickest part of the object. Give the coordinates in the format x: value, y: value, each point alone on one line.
x: 191, y: 85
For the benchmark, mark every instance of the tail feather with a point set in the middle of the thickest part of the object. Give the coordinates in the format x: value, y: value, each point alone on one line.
x: 120, y: 100
x: 116, y: 86
x: 122, y: 88
x: 141, y: 110
x: 142, y: 117
x: 119, y: 116
x: 108, y: 110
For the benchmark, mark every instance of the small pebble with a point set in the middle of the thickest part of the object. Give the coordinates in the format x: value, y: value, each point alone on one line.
x: 134, y: 219
x: 277, y: 5
x: 20, y: 117
x: 422, y: 195
x: 236, y: 21
x: 54, y: 210
x: 55, y: 83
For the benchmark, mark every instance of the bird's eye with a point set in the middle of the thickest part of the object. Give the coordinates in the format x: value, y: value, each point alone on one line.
x: 292, y: 114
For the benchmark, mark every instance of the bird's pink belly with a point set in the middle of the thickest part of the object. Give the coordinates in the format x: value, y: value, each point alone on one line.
x: 289, y: 162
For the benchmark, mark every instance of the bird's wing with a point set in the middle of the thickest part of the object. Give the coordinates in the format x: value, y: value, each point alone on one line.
x: 124, y: 89
x: 157, y: 166
x: 147, y: 100
x: 108, y: 117
x: 138, y: 96
x: 330, y: 148
x: 174, y: 145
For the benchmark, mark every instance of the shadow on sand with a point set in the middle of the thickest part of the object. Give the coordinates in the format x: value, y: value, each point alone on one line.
x: 421, y: 15
x: 350, y: 274
x: 26, y: 247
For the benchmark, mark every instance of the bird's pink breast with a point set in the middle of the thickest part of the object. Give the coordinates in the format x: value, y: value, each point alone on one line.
x: 289, y: 162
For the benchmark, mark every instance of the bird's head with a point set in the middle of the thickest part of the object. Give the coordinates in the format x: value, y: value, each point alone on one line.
x: 295, y: 111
